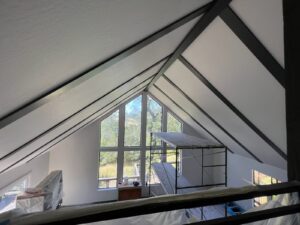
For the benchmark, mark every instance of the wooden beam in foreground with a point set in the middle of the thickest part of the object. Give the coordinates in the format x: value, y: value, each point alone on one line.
x: 115, y: 210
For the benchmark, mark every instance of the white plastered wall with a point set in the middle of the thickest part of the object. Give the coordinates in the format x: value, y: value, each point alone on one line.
x: 77, y: 157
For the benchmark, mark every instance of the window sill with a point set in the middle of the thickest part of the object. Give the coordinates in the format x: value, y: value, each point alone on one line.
x: 107, y: 189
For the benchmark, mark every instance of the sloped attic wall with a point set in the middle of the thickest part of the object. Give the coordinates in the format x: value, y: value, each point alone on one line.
x: 221, y: 81
x: 249, y: 116
x: 86, y: 58
x: 50, y: 43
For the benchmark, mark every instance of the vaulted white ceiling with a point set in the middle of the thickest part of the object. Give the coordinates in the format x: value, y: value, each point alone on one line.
x: 63, y: 65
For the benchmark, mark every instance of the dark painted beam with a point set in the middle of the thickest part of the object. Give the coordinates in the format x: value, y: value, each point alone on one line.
x: 253, y: 44
x: 232, y: 107
x: 291, y: 17
x: 79, y: 111
x: 211, y: 119
x: 253, y: 216
x: 77, y: 80
x: 192, y: 118
x: 69, y: 129
x: 217, y: 8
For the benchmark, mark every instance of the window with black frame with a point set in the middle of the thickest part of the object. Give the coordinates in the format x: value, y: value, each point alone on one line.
x: 263, y: 179
x: 125, y: 140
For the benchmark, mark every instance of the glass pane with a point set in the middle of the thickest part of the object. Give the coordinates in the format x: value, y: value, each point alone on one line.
x: 154, y: 115
x: 171, y: 158
x: 255, y: 177
x: 156, y: 157
x: 109, y: 130
x: 132, y: 164
x: 173, y: 125
x: 133, y: 112
x: 108, y: 169
x: 107, y: 183
x: 263, y: 179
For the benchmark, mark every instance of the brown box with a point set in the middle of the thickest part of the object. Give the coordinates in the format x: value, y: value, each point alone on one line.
x: 129, y: 192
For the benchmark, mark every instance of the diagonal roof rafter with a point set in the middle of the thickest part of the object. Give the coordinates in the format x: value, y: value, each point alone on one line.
x: 201, y: 25
x: 211, y: 118
x: 201, y: 77
x: 253, y: 44
x: 234, y: 22
x: 189, y: 115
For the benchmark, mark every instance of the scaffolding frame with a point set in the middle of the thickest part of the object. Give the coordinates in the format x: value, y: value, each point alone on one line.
x: 163, y: 136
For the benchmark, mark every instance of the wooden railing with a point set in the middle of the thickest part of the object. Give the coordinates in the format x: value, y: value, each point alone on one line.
x: 173, y: 202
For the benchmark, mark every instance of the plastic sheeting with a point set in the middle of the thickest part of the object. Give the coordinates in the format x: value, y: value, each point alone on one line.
x: 283, y: 200
x: 166, y: 174
x: 7, y: 202
x: 175, y: 217
x: 33, y: 204
x: 52, y: 186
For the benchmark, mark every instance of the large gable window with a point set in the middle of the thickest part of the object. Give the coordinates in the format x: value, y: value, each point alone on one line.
x: 125, y: 140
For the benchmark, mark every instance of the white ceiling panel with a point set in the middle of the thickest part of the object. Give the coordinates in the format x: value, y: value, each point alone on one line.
x: 202, y: 96
x: 200, y: 117
x: 226, y: 62
x: 17, y: 133
x: 265, y: 19
x: 106, y: 104
x: 45, y: 43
